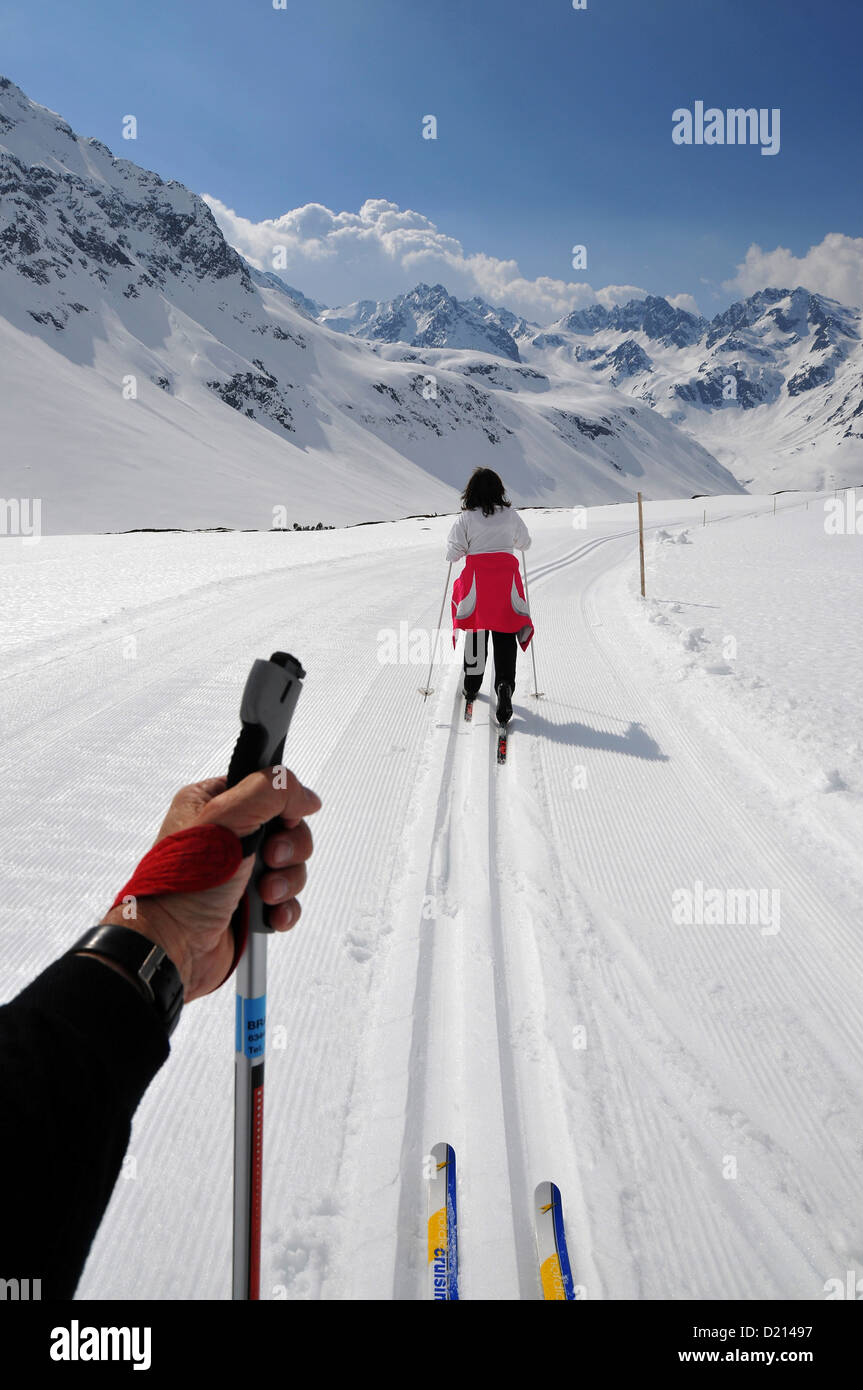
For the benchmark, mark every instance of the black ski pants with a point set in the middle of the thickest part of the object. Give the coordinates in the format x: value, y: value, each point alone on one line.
x: 476, y: 655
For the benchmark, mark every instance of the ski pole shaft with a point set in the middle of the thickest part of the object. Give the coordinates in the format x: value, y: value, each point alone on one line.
x: 269, y: 699
x: 426, y: 690
x: 536, y: 690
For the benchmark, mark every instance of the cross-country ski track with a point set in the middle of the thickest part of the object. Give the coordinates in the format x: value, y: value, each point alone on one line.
x: 486, y: 955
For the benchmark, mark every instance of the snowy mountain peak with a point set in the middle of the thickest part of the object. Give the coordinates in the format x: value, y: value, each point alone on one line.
x: 70, y: 207
x: 653, y: 316
x: 428, y: 316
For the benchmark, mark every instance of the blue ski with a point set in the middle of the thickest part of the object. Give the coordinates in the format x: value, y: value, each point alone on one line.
x: 442, y: 1225
x: 555, y: 1275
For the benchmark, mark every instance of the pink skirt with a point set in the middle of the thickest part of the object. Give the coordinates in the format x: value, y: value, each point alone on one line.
x: 488, y: 595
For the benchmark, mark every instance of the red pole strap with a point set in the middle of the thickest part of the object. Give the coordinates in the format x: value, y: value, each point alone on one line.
x: 190, y: 861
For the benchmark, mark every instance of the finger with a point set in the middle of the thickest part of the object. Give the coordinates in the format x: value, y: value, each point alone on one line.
x: 288, y: 846
x: 278, y: 887
x: 212, y: 785
x: 188, y: 803
x: 260, y: 797
x: 285, y: 916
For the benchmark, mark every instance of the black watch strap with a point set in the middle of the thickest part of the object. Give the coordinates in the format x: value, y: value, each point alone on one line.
x: 154, y: 972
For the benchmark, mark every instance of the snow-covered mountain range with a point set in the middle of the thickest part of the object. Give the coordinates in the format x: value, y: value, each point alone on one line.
x: 153, y: 378
x: 772, y: 386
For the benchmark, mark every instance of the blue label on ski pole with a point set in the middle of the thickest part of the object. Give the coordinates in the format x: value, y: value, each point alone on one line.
x: 254, y: 1026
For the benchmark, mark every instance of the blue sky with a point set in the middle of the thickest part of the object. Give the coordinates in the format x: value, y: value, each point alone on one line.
x: 554, y: 128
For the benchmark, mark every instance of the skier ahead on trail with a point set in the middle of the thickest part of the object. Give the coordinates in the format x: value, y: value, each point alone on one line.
x: 488, y: 595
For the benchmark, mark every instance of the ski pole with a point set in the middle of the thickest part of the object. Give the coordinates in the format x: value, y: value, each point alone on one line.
x: 269, y: 699
x: 426, y: 690
x: 536, y: 690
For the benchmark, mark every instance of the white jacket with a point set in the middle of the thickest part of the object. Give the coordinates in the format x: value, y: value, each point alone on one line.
x: 476, y: 534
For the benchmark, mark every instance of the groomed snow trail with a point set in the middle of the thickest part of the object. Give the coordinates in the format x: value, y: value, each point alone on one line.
x: 692, y: 1088
x: 486, y: 955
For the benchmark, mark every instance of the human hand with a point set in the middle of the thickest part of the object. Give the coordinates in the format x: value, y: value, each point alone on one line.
x: 192, y: 928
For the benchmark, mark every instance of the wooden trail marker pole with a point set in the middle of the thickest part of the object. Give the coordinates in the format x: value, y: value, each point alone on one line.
x: 641, y: 541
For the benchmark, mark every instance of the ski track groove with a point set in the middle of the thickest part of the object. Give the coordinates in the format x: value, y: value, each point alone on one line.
x: 416, y: 1140
x: 515, y: 1129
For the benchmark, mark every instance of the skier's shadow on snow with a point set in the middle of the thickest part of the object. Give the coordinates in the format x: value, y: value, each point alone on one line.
x: 633, y: 742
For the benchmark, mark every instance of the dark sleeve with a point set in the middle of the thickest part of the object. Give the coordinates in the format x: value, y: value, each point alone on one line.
x: 79, y: 1048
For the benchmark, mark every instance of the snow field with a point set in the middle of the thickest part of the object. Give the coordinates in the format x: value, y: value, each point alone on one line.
x: 486, y: 955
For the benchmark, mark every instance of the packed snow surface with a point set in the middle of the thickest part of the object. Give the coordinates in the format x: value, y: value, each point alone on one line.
x: 516, y: 959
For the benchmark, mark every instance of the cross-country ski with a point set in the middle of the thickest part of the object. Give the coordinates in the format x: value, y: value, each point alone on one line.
x: 442, y: 1236
x: 555, y: 1274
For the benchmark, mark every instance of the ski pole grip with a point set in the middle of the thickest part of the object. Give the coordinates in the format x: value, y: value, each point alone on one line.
x: 269, y: 700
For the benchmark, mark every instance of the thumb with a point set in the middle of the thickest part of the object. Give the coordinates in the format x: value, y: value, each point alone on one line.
x: 274, y: 791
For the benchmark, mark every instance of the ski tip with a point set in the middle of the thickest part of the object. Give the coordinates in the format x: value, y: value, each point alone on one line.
x: 555, y: 1274
x: 442, y: 1154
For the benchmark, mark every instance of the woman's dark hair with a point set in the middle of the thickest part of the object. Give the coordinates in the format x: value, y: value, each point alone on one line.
x: 484, y: 489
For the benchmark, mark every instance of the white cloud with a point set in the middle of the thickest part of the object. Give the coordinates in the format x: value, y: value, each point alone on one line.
x: 684, y: 301
x: 383, y: 250
x: 834, y: 268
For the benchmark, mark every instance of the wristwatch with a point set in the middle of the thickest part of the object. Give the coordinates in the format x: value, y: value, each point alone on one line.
x: 155, y: 974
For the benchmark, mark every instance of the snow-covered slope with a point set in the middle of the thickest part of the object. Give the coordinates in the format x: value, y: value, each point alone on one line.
x: 486, y: 954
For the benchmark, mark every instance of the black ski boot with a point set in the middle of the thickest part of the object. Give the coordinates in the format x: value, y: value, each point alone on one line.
x: 504, y: 703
